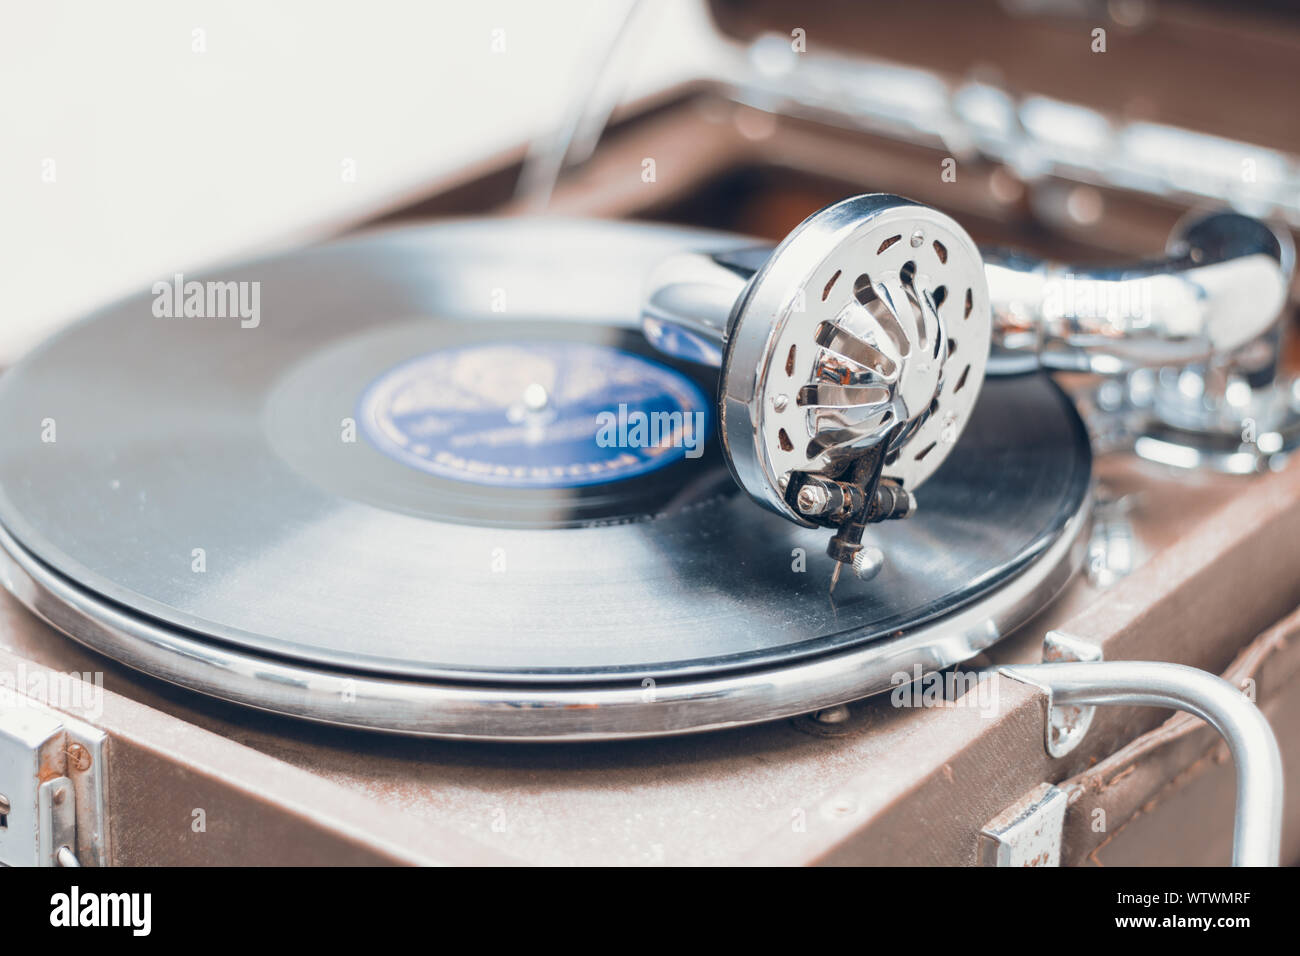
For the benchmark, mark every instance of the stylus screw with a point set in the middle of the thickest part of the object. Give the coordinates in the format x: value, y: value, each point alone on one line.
x: 868, y: 562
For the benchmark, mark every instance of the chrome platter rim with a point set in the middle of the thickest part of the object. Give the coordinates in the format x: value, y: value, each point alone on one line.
x: 528, y: 713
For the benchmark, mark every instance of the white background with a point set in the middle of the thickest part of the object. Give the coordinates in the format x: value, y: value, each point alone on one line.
x: 168, y: 159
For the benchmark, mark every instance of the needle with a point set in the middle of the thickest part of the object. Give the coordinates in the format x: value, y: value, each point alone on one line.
x: 835, y: 575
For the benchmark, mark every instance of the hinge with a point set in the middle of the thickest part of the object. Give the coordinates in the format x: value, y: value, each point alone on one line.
x: 51, y: 788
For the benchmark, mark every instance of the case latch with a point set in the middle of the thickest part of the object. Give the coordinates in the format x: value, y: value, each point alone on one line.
x: 51, y: 789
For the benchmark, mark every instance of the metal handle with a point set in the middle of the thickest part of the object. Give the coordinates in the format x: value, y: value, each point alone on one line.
x: 1257, y: 829
x: 1222, y: 284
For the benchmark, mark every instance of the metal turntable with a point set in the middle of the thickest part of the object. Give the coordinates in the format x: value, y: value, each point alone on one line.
x: 412, y: 497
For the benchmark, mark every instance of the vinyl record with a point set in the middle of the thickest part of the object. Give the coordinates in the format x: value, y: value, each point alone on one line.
x: 394, y: 472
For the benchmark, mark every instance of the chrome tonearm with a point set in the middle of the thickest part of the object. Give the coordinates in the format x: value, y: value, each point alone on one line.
x: 852, y: 354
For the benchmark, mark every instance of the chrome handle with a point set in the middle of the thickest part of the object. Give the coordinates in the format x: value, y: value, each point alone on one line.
x: 1257, y: 827
x: 1221, y: 285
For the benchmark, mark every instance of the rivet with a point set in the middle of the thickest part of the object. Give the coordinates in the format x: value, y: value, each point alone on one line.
x: 79, y: 757
x: 832, y: 715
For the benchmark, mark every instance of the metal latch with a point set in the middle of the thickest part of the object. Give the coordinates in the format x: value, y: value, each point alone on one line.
x: 51, y: 789
x: 1027, y: 833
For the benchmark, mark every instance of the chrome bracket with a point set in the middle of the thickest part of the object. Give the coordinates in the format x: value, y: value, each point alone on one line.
x: 1027, y: 833
x: 51, y: 788
x: 1067, y: 724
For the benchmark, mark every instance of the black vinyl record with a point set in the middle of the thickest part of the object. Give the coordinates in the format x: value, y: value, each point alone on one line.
x: 204, y: 436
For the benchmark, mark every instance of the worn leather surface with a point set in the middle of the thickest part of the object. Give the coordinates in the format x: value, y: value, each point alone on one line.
x: 1170, y: 793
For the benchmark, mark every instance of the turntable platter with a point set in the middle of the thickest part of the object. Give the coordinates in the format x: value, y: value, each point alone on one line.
x: 386, y: 481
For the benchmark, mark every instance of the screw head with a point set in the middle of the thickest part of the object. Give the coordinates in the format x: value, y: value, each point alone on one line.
x: 813, y: 499
x: 79, y: 757
x: 4, y: 805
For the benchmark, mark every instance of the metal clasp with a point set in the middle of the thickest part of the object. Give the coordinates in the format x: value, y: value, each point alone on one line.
x: 51, y: 789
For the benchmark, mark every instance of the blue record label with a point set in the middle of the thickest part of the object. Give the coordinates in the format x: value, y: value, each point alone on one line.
x: 540, y: 414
